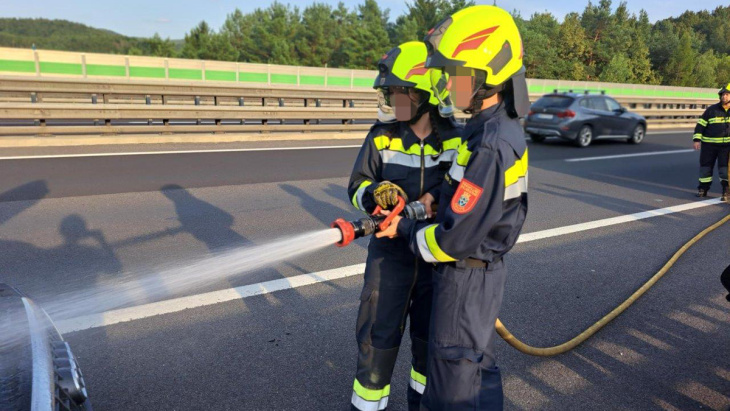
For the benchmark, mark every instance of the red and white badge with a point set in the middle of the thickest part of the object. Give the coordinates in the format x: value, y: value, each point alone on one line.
x: 466, y: 197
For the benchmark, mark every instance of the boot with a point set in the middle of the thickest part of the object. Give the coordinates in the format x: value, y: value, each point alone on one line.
x: 725, y: 194
x: 702, y: 192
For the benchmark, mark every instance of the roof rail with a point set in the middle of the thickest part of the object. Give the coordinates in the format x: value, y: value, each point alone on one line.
x: 586, y: 91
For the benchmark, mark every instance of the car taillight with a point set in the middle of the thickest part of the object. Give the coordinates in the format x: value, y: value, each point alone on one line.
x: 566, y: 114
x: 530, y: 113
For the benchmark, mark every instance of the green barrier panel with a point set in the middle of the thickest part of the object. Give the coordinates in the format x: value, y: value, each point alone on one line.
x: 253, y: 77
x: 105, y: 70
x: 363, y: 82
x: 338, y: 81
x: 184, y: 74
x: 60, y: 68
x: 18, y: 66
x: 151, y: 72
x: 217, y: 75
x: 284, y: 78
x: 312, y: 80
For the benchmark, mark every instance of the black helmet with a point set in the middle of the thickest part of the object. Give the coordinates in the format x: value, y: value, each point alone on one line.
x: 724, y: 89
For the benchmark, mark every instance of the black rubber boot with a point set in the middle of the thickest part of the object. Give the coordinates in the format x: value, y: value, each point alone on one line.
x: 701, y: 192
x: 725, y: 194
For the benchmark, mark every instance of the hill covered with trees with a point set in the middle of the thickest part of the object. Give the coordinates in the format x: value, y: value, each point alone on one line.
x: 600, y: 43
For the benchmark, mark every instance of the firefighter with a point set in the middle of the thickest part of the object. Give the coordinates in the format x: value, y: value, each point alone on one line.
x: 712, y: 138
x: 483, y: 205
x: 406, y: 153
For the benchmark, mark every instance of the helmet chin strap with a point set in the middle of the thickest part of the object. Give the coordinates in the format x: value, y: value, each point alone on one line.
x: 482, y: 94
x: 423, y: 108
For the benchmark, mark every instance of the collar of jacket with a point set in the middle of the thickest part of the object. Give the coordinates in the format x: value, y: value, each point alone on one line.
x: 478, y: 120
x: 410, y: 138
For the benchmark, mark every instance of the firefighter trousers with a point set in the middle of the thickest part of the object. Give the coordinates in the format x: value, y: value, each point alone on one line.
x: 711, y: 153
x: 397, y: 286
x: 461, y: 372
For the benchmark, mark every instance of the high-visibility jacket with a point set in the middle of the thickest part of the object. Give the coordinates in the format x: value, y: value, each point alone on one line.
x: 393, y: 152
x: 483, y: 201
x: 714, y: 125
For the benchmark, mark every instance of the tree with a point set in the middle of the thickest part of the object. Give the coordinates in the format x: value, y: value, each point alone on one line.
x: 369, y: 39
x: 539, y: 36
x: 203, y: 43
x: 573, y: 49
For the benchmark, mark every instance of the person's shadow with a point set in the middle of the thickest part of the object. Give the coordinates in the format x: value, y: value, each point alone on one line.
x: 725, y: 279
x: 204, y: 221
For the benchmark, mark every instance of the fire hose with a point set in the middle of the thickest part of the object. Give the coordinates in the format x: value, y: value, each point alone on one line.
x: 375, y: 222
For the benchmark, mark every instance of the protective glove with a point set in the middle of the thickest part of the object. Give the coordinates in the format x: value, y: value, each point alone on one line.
x: 386, y: 195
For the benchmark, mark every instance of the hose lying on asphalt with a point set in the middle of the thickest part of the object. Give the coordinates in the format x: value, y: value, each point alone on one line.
x: 569, y: 345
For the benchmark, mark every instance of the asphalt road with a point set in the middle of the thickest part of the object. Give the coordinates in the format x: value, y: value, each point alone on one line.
x: 68, y: 223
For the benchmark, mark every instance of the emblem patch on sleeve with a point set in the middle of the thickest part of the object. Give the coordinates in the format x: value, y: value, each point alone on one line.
x: 466, y: 197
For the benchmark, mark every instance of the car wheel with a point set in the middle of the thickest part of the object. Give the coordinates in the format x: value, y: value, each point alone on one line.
x: 537, y: 138
x: 638, y: 135
x: 585, y: 136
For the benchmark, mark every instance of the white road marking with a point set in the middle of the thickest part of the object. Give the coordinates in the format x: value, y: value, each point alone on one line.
x: 651, y: 153
x: 216, y: 297
x: 151, y: 153
x: 231, y: 150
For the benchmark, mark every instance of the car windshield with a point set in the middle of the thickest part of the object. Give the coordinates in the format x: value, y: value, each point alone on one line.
x: 553, y: 102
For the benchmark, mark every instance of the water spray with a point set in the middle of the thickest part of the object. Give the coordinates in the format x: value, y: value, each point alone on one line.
x: 377, y: 222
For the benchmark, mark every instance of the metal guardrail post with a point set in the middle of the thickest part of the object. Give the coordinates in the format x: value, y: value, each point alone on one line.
x: 281, y: 102
x: 94, y: 101
x: 33, y: 98
x: 240, y: 101
x: 197, y: 100
x: 147, y: 99
x: 37, y: 64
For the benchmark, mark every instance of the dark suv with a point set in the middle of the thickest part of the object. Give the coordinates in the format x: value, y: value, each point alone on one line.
x: 582, y: 118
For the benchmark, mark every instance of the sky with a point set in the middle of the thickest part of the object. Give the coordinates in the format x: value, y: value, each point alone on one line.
x: 174, y: 18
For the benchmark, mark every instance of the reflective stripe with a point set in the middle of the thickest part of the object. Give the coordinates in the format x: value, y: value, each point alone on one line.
x: 429, y: 248
x: 718, y: 120
x: 418, y: 381
x: 519, y: 169
x: 716, y: 140
x: 357, y: 198
x: 456, y: 172
x: 396, y: 144
x: 451, y: 144
x: 516, y: 189
x: 364, y: 405
x: 705, y: 179
x: 423, y: 246
x: 702, y: 122
x: 408, y: 160
x: 697, y: 136
x: 366, y: 399
x: 392, y: 152
x: 464, y: 154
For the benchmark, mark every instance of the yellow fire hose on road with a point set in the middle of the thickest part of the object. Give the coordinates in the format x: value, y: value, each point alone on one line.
x: 580, y: 338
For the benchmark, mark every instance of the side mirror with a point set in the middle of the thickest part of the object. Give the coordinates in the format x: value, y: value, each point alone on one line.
x: 621, y: 110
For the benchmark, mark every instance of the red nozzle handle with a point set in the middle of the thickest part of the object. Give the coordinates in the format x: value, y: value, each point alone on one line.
x: 396, y: 210
x: 348, y: 231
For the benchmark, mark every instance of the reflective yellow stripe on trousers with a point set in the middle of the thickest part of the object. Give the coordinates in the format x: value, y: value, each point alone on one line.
x: 366, y: 399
